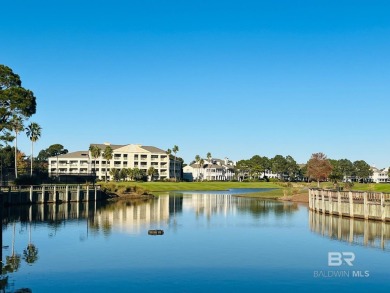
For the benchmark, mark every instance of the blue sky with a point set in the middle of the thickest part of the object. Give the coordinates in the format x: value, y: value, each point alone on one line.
x: 234, y: 78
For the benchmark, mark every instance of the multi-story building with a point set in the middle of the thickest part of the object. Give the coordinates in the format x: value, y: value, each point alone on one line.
x: 76, y: 163
x: 215, y: 170
x: 123, y: 156
x: 379, y: 175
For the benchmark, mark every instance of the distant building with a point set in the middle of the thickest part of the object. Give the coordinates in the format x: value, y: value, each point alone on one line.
x: 124, y: 156
x: 379, y: 175
x: 213, y: 170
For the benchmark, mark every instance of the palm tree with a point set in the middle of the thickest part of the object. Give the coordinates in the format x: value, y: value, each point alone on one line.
x: 17, y: 126
x: 33, y: 132
x: 201, y: 163
x: 130, y: 173
x: 30, y: 254
x: 197, y: 160
x: 169, y: 152
x: 151, y: 172
x: 209, y: 160
x: 12, y: 261
x: 175, y: 149
x: 107, y: 155
x: 95, y: 153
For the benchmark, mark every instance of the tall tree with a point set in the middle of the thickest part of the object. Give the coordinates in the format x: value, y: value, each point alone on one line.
x: 169, y: 153
x: 33, y: 132
x: 336, y: 174
x: 256, y: 165
x: 197, y: 161
x: 318, y: 167
x: 201, y: 164
x: 266, y: 165
x: 292, y: 167
x: 95, y: 153
x: 107, y: 155
x: 15, y: 101
x: 209, y: 157
x: 175, y: 149
x: 54, y: 150
x: 244, y: 168
x: 346, y: 167
x: 17, y: 126
x: 279, y: 165
x: 362, y: 170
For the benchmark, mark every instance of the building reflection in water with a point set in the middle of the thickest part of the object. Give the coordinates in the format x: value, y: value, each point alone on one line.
x: 227, y: 204
x: 355, y: 231
x: 133, y: 217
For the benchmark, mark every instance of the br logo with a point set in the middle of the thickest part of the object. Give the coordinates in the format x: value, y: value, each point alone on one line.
x: 336, y: 259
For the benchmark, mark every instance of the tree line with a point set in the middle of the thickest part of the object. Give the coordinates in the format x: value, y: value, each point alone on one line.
x: 318, y: 168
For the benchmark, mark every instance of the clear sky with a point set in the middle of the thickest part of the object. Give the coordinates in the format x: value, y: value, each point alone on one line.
x: 234, y: 78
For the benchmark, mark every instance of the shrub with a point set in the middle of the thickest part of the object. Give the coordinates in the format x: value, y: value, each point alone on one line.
x: 348, y: 185
x: 27, y: 180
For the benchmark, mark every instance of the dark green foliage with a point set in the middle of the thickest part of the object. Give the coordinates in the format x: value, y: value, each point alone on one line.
x: 279, y: 164
x: 52, y: 151
x: 28, y: 180
x: 337, y: 173
x: 15, y: 101
x: 362, y: 170
x: 30, y: 254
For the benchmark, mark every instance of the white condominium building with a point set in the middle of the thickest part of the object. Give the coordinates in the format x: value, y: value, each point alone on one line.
x: 123, y: 157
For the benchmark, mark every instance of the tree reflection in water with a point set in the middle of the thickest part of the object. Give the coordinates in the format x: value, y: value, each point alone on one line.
x: 30, y: 254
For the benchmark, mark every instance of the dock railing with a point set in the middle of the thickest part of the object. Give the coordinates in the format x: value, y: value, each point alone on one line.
x: 354, y: 204
x: 34, y: 194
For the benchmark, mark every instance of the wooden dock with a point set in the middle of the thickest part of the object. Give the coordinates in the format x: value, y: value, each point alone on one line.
x: 354, y: 204
x: 41, y: 194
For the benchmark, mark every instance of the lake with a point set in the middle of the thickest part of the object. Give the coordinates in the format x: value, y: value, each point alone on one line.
x: 213, y: 241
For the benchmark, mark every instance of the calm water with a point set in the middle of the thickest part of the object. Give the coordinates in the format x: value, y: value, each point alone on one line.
x: 213, y: 242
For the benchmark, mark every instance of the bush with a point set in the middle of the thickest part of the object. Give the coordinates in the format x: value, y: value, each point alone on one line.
x: 27, y: 180
x: 348, y: 185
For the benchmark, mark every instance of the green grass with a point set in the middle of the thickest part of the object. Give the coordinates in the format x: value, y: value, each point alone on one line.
x: 170, y: 186
x: 378, y: 187
x: 281, y: 189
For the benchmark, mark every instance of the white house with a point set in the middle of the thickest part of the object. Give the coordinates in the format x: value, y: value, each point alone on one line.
x: 380, y: 175
x: 124, y: 156
x: 214, y: 170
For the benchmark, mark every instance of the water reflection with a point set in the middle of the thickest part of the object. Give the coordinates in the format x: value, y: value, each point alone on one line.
x: 135, y: 216
x: 355, y: 231
x: 167, y: 211
x: 225, y: 204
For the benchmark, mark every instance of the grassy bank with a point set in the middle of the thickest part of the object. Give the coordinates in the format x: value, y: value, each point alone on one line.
x: 171, y: 186
x: 281, y: 189
x: 377, y: 187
